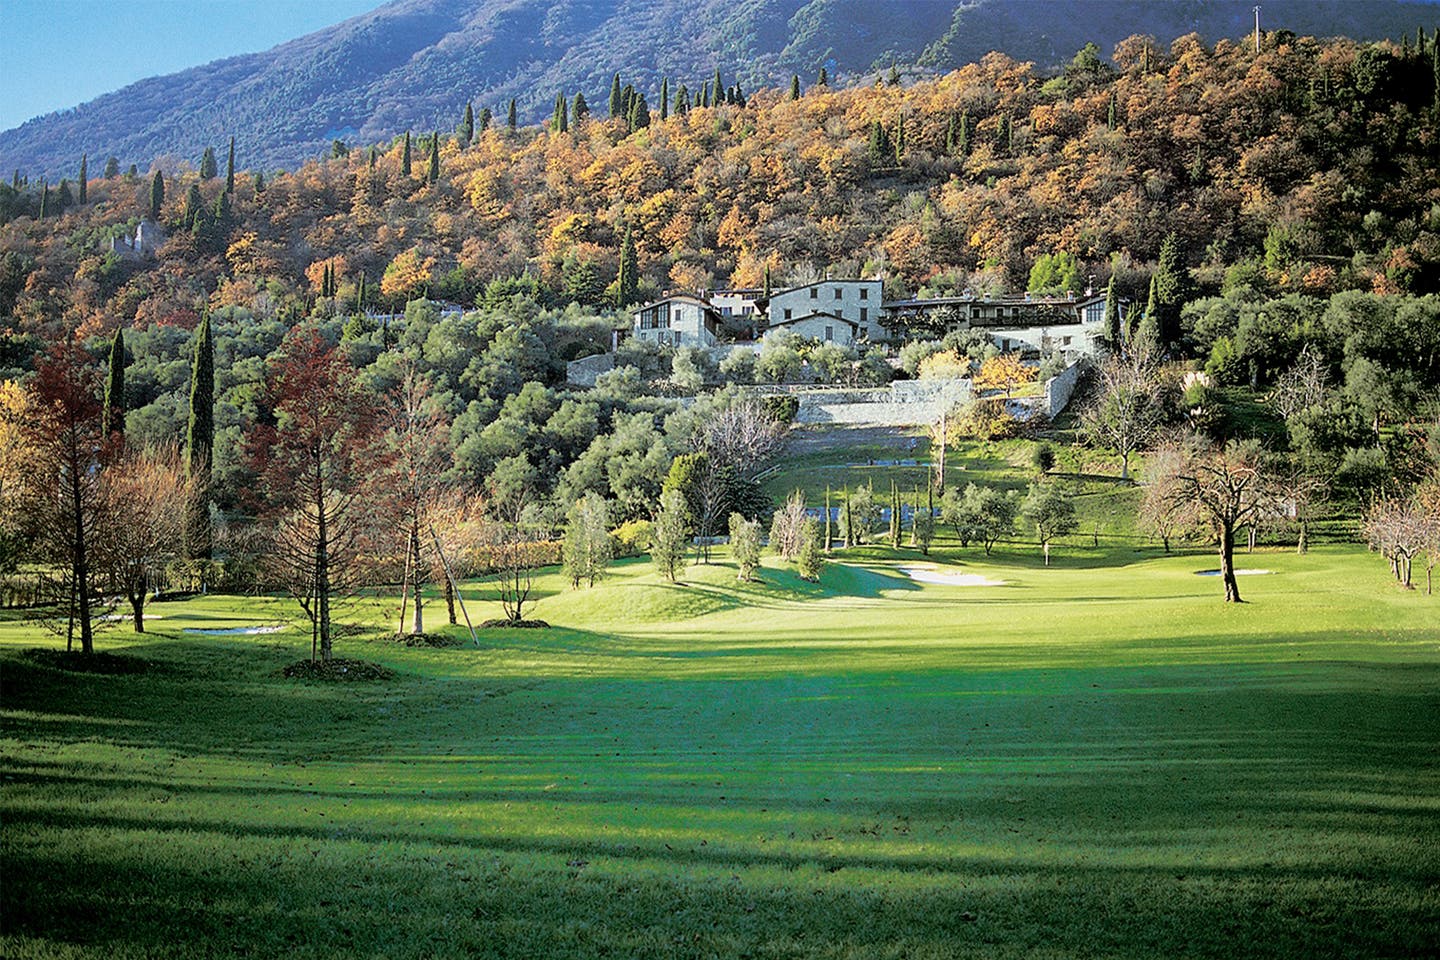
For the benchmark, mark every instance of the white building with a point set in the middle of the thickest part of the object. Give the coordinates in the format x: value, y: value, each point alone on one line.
x: 824, y: 327
x: 678, y: 321
x: 853, y: 300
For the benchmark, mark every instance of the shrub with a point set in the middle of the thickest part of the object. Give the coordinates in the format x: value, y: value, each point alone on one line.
x: 812, y: 555
x: 781, y: 409
x: 633, y: 537
x: 745, y: 545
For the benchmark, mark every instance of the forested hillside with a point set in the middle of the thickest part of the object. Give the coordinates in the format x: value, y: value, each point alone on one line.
x: 1308, y: 167
x: 409, y: 63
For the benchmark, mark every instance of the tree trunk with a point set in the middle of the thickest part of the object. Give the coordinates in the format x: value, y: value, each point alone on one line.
x: 1165, y: 539
x: 137, y: 611
x: 419, y: 626
x: 1227, y: 564
x: 1303, y: 544
x: 1125, y: 465
x: 322, y: 579
x: 450, y: 600
x: 1045, y: 546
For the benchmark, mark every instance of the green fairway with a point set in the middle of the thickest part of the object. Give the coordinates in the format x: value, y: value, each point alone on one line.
x: 1096, y: 759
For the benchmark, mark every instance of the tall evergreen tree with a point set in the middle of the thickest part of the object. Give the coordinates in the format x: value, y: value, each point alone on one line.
x: 705, y: 94
x: 112, y: 415
x: 559, y: 114
x: 208, y: 167
x: 716, y: 87
x: 899, y: 141
x: 580, y: 110
x: 84, y: 177
x: 795, y: 86
x: 433, y: 174
x: 682, y: 100
x: 360, y: 294
x: 512, y: 119
x: 664, y: 99
x: 259, y: 182
x: 1147, y: 329
x: 112, y: 168
x: 1114, y: 332
x: 739, y: 95
x: 881, y: 151
x: 157, y: 195
x: 230, y: 168
x: 823, y: 80
x: 405, y: 166
x: 63, y: 199
x: 44, y: 199
x: 194, y: 204
x: 892, y: 79
x: 627, y: 283
x: 485, y: 118
x: 200, y: 440
x: 964, y: 134
x: 1112, y: 119
x: 639, y: 113
x: 1171, y: 289
x: 467, y: 126
x: 615, y: 105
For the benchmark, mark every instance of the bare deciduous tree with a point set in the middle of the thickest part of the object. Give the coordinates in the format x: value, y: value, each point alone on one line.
x: 146, y: 498
x: 1303, y: 386
x: 1220, y: 488
x: 1126, y: 411
x: 787, y: 526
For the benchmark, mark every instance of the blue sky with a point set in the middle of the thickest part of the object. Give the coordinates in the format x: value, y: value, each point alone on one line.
x: 56, y: 54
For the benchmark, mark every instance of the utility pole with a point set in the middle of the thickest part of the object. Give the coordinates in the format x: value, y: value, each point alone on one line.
x: 1257, y: 30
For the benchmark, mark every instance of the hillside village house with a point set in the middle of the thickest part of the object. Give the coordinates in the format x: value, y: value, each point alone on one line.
x: 680, y: 321
x: 1027, y: 323
x: 858, y: 301
x: 823, y: 327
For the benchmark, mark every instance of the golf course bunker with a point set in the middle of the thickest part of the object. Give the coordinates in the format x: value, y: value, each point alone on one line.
x: 932, y: 575
x: 1238, y: 573
x: 237, y: 631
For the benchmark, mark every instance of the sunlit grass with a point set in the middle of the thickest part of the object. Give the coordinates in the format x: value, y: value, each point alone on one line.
x: 1099, y: 758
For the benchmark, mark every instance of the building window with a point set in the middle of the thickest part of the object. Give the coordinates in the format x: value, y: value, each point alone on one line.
x: 864, y: 311
x: 838, y: 293
x: 864, y: 293
x: 814, y: 292
x: 840, y: 314
x: 787, y: 313
x: 1065, y: 341
x: 829, y: 333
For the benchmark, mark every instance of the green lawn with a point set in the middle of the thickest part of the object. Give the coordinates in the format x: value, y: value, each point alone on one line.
x: 1098, y: 759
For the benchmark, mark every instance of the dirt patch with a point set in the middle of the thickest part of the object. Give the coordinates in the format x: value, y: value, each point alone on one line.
x: 809, y: 439
x: 428, y: 640
x: 76, y: 662
x: 516, y: 624
x: 337, y: 670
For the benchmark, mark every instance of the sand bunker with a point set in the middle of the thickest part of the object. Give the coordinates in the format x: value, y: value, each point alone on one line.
x: 1238, y: 573
x: 237, y: 631
x: 932, y: 575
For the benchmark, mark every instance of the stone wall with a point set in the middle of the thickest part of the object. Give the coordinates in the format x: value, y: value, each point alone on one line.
x: 1061, y: 387
x: 905, y: 403
x: 585, y: 371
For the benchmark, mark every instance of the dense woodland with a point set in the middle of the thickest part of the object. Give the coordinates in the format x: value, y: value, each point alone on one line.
x: 1277, y: 214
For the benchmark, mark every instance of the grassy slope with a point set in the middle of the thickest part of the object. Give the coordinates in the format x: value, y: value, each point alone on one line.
x: 1091, y: 760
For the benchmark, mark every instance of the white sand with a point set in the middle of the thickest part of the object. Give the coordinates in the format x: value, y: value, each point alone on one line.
x: 237, y: 631
x: 932, y: 575
x: 1238, y: 573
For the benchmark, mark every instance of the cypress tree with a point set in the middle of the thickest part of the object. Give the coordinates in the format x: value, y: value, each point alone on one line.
x: 190, y: 218
x: 716, y: 87
x: 112, y: 168
x: 639, y: 113
x: 1435, y: 64
x: 112, y: 416
x: 894, y: 510
x: 63, y: 199
x: 766, y: 294
x: 682, y: 100
x: 1170, y: 290
x: 467, y: 126
x: 511, y: 119
x: 739, y: 95
x: 899, y: 139
x: 230, y: 168
x: 1147, y: 330
x: 880, y: 149
x: 157, y: 195
x: 559, y: 114
x: 1112, y: 118
x: 200, y: 440
x: 405, y: 166
x: 1114, y: 333
x: 222, y: 209
x: 208, y: 167
x: 829, y: 534
x: 615, y: 105
x: 627, y: 283
x: 44, y: 199
x: 360, y: 295
x: 84, y: 176
x: 664, y: 99
x: 15, y: 180
x: 849, y: 539
x: 259, y: 182
x: 950, y: 136
x: 434, y: 172
x: 372, y: 157
x: 964, y: 142
x: 485, y: 117
x: 132, y: 172
x: 581, y: 109
x: 823, y: 80
x: 893, y: 78
x: 795, y: 86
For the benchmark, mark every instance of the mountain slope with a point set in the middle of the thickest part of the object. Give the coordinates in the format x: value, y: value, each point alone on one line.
x: 412, y: 64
